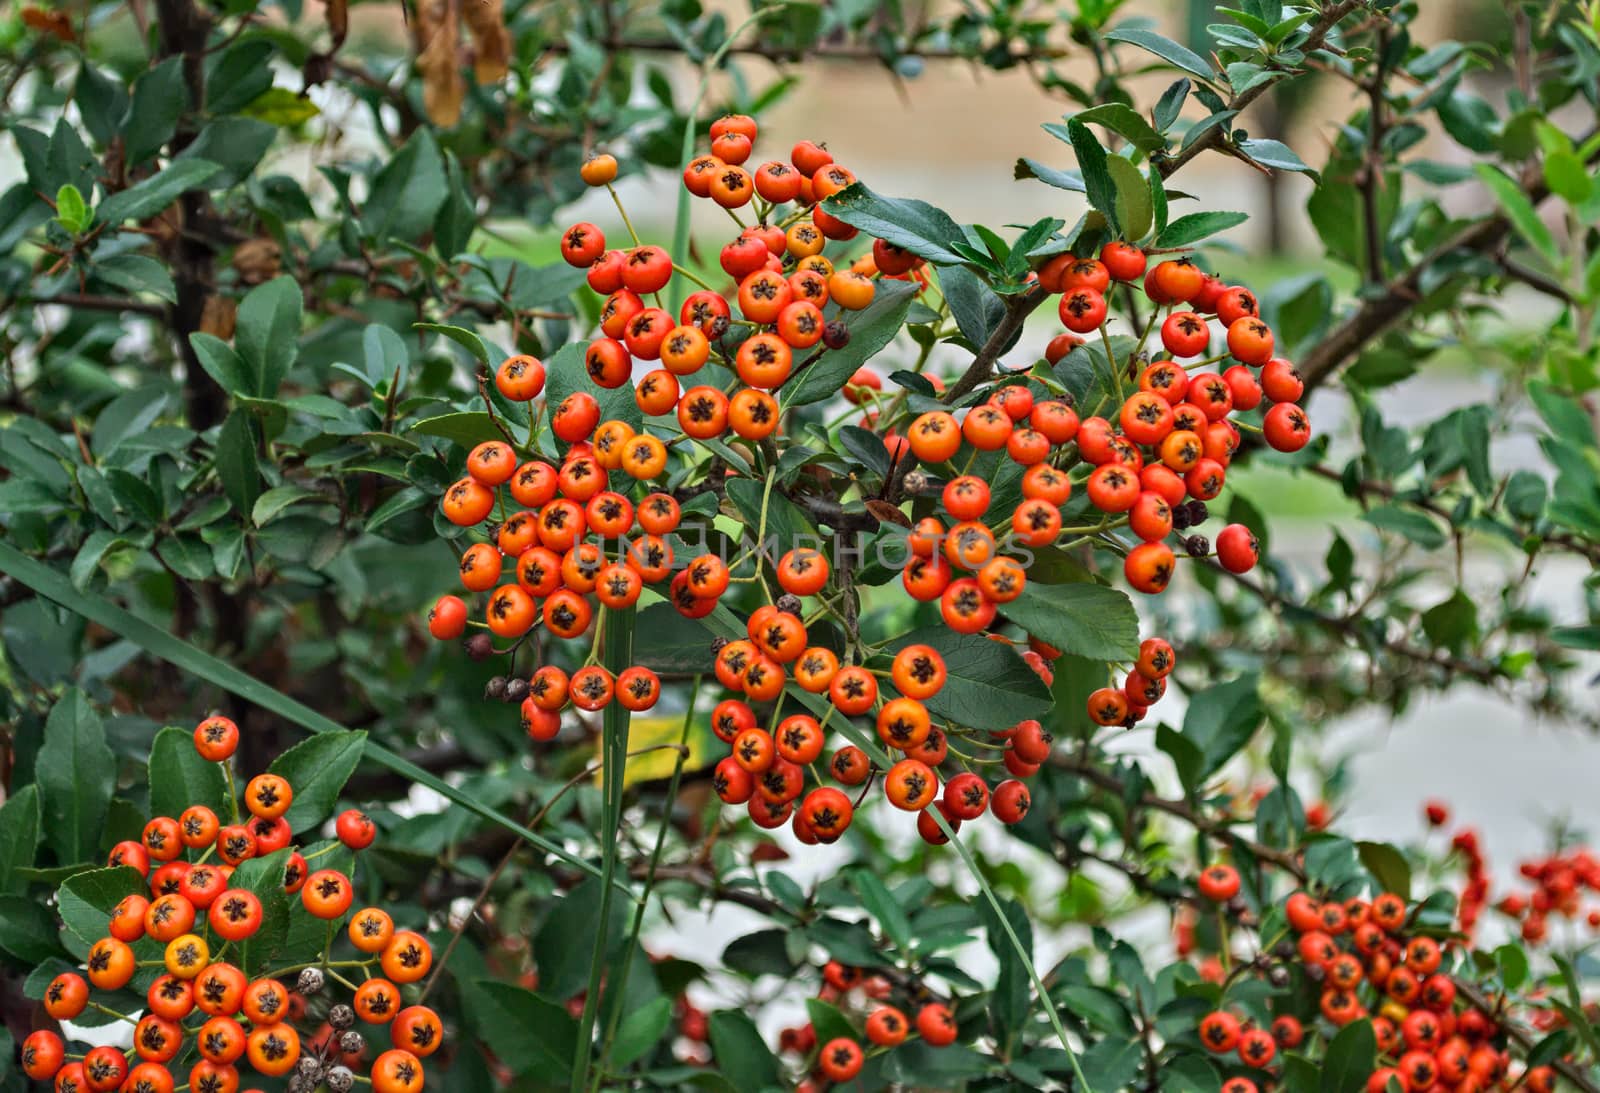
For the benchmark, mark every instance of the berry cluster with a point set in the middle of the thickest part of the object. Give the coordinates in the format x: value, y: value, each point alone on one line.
x: 200, y: 1006
x: 885, y: 1026
x: 1366, y: 959
x: 569, y: 545
x: 578, y: 535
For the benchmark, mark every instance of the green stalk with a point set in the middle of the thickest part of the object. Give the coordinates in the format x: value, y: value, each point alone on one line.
x: 157, y: 642
x: 631, y: 946
x: 616, y: 655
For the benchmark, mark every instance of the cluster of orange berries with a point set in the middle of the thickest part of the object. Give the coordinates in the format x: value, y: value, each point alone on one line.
x: 569, y: 545
x: 783, y: 279
x: 885, y: 1027
x: 195, y: 915
x: 1370, y: 961
x: 765, y: 770
x: 1559, y: 882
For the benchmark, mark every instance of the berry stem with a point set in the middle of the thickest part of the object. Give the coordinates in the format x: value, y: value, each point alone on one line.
x: 617, y: 201
x: 685, y: 273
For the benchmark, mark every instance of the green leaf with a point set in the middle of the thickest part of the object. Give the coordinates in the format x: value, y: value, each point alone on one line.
x: 407, y: 192
x: 1520, y: 211
x: 268, y: 332
x: 19, y: 836
x: 989, y: 686
x: 640, y: 1031
x: 149, y: 196
x: 85, y: 900
x: 468, y: 428
x: 1221, y: 720
x: 1193, y: 227
x: 281, y: 107
x: 1452, y: 624
x: 236, y: 461
x: 263, y: 877
x: 1350, y: 1059
x: 526, y: 1032
x: 871, y: 328
x: 1276, y: 154
x: 27, y: 930
x: 883, y: 907
x: 160, y: 96
x: 76, y: 774
x: 1087, y: 620
x: 71, y: 210
x: 1061, y: 180
x: 135, y: 274
x: 318, y: 769
x: 917, y: 226
x: 1098, y: 181
x: 1565, y: 415
x: 221, y: 363
x: 461, y: 336
x: 272, y: 503
x: 180, y: 778
x: 1126, y: 121
x: 1388, y: 867
x: 1577, y: 637
x: 1135, y: 207
x: 828, y: 1020
x: 742, y: 1055
x: 235, y: 144
x: 238, y: 75
x: 1413, y: 525
x: 1178, y: 56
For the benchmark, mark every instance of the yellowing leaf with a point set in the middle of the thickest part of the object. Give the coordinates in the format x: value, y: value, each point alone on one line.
x: 281, y: 107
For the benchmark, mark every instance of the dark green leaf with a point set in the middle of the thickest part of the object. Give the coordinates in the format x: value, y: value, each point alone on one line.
x: 526, y: 1032
x: 1098, y: 181
x: 136, y: 274
x: 871, y: 328
x: 1413, y: 525
x: 1061, y: 180
x: 1126, y: 121
x: 1350, y: 1059
x: 85, y: 900
x: 1178, y: 56
x: 1087, y: 620
x: 1222, y: 719
x: 742, y: 1055
x: 1193, y: 227
x: 640, y: 1031
x: 76, y: 774
x: 317, y: 769
x: 1275, y: 153
x: 236, y: 461
x: 19, y: 836
x: 408, y: 191
x: 160, y: 96
x: 989, y: 686
x: 916, y: 226
x: 180, y: 778
x: 268, y: 332
x: 149, y: 196
x: 1388, y: 867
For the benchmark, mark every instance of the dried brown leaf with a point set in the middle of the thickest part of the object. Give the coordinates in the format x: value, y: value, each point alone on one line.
x: 217, y: 316
x: 491, y: 41
x: 887, y: 513
x: 443, y: 87
x: 257, y: 260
